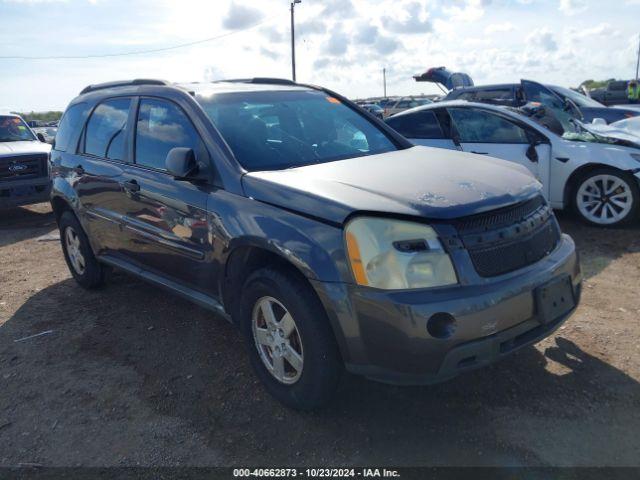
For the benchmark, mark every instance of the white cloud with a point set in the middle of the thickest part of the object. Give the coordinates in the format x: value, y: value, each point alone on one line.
x: 468, y: 11
x: 543, y: 38
x: 499, y: 28
x: 241, y: 16
x: 413, y: 20
x: 338, y: 43
x: 572, y: 7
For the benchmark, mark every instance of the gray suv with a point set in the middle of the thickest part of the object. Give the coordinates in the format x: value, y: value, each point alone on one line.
x: 328, y: 238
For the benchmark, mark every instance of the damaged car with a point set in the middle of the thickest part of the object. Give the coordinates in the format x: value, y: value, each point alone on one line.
x: 593, y: 171
x: 519, y: 94
x: 329, y: 239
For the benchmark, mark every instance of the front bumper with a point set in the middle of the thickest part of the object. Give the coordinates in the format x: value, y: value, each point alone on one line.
x: 15, y: 194
x: 383, y: 334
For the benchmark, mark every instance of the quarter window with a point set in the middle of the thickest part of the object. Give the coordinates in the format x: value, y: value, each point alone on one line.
x: 422, y: 124
x: 69, y: 125
x: 106, y: 129
x: 478, y: 126
x: 162, y: 126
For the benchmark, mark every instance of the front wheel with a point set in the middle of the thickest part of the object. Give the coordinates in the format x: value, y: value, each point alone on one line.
x: 291, y: 344
x: 606, y: 197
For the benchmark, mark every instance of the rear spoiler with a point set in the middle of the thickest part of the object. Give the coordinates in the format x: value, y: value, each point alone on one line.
x: 444, y: 77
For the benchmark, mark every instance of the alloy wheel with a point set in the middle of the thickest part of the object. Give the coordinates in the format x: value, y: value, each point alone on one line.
x: 72, y: 243
x: 604, y: 199
x: 278, y: 340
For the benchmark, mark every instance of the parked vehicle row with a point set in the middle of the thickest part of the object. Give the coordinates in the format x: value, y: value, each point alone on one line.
x: 517, y: 95
x: 326, y: 236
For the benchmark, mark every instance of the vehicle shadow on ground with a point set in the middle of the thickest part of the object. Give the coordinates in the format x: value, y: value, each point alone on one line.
x: 134, y: 354
x: 18, y: 224
x: 598, y: 247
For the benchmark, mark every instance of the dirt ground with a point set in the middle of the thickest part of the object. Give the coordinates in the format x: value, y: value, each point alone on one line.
x: 130, y: 375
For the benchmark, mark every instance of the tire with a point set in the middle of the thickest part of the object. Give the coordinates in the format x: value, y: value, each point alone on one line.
x: 314, y: 384
x: 619, y: 202
x: 82, y: 263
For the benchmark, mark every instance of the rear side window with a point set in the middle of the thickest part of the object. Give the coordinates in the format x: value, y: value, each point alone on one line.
x: 106, y: 129
x: 69, y: 125
x: 479, y: 126
x: 162, y: 126
x: 423, y: 124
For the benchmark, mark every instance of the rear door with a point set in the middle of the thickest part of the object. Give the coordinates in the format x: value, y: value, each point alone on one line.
x: 423, y: 127
x: 96, y: 170
x: 166, y: 218
x: 484, y: 132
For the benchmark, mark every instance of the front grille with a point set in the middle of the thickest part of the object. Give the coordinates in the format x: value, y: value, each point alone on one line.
x: 501, y: 217
x: 23, y: 167
x: 505, y: 258
x: 510, y: 238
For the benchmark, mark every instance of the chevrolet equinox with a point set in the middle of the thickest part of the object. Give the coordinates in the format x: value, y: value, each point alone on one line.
x: 329, y: 239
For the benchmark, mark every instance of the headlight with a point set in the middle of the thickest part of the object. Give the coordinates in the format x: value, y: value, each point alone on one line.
x: 396, y: 254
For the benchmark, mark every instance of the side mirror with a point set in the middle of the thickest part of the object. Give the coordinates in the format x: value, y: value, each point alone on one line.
x: 532, y: 153
x: 181, y: 163
x: 41, y: 137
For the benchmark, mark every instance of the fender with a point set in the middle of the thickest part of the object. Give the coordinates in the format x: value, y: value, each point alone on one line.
x: 313, y: 247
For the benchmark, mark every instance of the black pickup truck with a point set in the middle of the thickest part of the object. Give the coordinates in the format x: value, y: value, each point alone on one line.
x: 615, y: 93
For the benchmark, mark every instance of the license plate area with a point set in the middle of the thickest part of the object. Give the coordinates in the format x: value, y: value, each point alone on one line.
x: 554, y: 299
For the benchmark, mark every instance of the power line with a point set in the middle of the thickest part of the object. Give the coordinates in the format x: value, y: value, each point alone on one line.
x: 136, y: 52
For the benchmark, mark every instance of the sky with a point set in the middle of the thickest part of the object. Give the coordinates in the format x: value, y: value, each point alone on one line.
x: 340, y: 44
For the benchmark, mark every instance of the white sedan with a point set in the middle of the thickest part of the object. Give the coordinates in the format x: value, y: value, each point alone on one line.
x: 597, y: 174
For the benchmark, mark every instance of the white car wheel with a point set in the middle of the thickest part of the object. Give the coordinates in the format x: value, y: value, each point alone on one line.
x: 605, y: 199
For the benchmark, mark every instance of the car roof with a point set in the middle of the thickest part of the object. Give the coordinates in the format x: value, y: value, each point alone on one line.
x: 140, y: 86
x: 206, y: 88
x: 457, y: 103
x: 485, y: 87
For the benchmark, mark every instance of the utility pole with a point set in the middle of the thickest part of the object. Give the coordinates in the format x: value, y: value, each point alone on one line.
x: 293, y: 40
x: 384, y: 81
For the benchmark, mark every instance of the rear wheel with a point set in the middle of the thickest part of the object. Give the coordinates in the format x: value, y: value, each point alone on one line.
x: 82, y: 263
x: 291, y: 345
x: 606, y: 197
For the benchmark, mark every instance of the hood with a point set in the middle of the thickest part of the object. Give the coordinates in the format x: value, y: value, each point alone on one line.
x: 9, y: 149
x: 426, y: 182
x: 616, y: 132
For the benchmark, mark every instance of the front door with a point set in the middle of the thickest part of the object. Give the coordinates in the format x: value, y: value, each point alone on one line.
x: 563, y: 109
x: 485, y: 132
x: 166, y: 218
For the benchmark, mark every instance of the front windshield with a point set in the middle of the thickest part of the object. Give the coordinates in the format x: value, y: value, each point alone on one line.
x: 13, y: 129
x: 273, y: 130
x: 577, y: 98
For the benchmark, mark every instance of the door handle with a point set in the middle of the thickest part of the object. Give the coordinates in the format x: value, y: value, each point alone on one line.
x: 79, y: 169
x: 131, y: 186
x: 479, y: 153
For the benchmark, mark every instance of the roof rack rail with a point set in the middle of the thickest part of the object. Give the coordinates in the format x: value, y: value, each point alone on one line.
x: 265, y: 80
x: 123, y: 83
